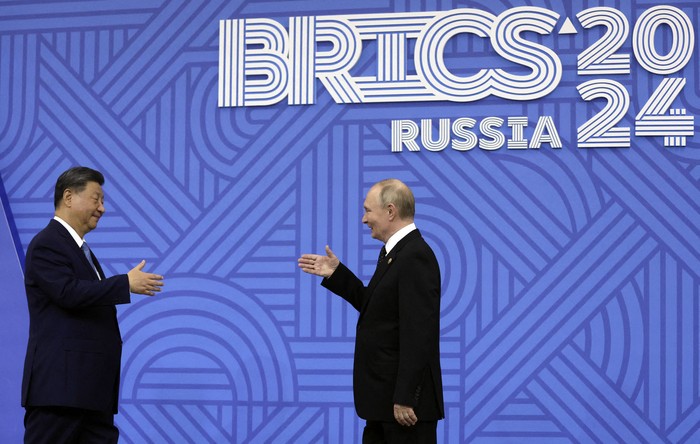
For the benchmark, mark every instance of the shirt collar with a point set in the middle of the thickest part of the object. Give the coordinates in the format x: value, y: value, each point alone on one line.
x: 72, y: 232
x: 396, y: 237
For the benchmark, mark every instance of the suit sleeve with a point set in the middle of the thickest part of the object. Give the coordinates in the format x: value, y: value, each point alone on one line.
x: 345, y: 284
x: 52, y: 272
x: 419, y: 325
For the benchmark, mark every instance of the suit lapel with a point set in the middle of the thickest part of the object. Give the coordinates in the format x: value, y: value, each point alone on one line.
x: 98, y: 268
x: 387, y: 263
x: 380, y: 270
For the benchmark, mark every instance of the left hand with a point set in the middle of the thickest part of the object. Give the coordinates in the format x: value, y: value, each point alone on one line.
x: 405, y: 415
x: 319, y: 265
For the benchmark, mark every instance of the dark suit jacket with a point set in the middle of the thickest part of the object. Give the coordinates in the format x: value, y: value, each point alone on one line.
x: 74, y: 351
x: 397, y: 350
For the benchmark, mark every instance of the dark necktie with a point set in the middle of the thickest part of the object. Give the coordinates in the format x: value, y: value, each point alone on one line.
x: 382, y: 255
x: 86, y: 250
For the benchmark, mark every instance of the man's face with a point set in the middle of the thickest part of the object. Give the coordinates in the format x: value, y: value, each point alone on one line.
x: 376, y: 217
x: 87, y: 207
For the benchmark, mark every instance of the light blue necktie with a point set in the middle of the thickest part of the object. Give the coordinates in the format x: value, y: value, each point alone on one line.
x: 86, y: 250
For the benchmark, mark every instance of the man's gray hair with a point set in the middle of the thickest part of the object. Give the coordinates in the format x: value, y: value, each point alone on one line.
x: 398, y: 193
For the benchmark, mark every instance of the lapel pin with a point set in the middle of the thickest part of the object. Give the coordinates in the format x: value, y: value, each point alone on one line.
x: 390, y: 260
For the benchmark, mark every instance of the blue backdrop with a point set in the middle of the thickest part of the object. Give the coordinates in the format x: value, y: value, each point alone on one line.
x: 570, y: 307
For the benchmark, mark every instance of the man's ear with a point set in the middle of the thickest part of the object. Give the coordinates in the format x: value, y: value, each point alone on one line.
x: 67, y: 197
x: 392, y: 211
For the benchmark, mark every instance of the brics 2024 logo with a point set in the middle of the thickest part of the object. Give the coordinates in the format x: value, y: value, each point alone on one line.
x: 262, y: 63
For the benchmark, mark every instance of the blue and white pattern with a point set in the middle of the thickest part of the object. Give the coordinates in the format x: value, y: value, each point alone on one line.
x: 557, y: 183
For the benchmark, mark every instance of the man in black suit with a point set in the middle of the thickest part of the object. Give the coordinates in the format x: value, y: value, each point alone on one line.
x: 70, y: 386
x: 397, y: 379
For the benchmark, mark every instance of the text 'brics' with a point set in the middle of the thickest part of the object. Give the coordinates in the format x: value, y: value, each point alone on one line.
x: 261, y: 63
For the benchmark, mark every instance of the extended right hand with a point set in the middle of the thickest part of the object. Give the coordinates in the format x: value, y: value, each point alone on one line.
x: 318, y: 264
x: 144, y: 283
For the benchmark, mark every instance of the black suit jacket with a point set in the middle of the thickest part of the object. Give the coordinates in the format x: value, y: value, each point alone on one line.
x: 74, y: 350
x: 397, y: 345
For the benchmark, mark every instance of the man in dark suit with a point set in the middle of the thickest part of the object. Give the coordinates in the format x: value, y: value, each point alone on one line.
x: 70, y: 386
x: 397, y: 379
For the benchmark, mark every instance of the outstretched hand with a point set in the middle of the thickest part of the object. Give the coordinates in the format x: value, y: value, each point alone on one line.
x: 144, y: 283
x: 318, y: 264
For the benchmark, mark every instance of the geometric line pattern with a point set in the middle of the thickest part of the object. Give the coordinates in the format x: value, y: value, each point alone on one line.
x: 571, y: 295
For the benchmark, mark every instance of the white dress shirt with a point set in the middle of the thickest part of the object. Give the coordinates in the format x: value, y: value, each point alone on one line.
x: 396, y: 237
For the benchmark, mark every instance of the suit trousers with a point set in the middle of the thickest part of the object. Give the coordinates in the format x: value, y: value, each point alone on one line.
x: 67, y: 425
x: 380, y: 432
